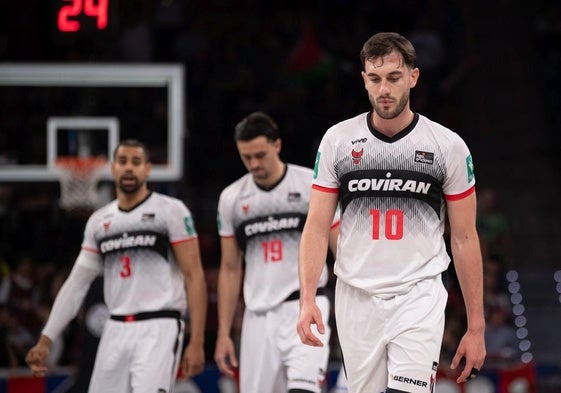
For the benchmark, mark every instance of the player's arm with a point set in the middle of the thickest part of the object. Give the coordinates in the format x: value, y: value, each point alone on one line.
x: 333, y: 236
x: 65, y: 308
x: 229, y: 283
x: 188, y: 257
x: 469, y: 269
x: 311, y: 261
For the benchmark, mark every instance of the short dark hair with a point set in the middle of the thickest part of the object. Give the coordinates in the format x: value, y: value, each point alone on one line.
x: 384, y: 43
x: 132, y: 143
x: 254, y: 125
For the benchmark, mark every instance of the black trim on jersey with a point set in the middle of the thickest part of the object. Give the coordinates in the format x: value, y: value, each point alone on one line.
x: 138, y: 204
x: 134, y: 240
x: 276, y: 184
x: 396, y: 137
x: 401, y: 184
x: 271, y: 223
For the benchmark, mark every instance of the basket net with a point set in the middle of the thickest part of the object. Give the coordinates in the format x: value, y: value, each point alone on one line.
x: 79, y: 178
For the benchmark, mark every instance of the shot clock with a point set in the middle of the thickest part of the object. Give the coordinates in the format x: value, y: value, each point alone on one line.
x: 73, y: 20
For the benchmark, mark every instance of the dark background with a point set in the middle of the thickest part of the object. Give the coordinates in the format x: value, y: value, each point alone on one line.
x: 489, y: 71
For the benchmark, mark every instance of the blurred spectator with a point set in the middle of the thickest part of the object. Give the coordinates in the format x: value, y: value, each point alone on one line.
x: 7, y: 356
x: 500, y: 335
x: 493, y: 227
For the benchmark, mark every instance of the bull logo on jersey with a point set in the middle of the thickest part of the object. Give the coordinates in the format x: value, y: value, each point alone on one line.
x: 106, y: 225
x: 245, y: 209
x: 357, y: 156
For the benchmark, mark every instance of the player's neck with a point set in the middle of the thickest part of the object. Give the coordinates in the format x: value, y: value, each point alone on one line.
x: 391, y: 127
x: 275, y: 178
x: 129, y: 201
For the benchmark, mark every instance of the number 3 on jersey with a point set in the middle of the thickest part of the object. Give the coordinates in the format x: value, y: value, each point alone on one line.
x: 125, y: 271
x: 272, y: 250
x: 393, y: 224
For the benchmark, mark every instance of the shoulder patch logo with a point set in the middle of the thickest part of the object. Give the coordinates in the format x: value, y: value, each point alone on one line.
x: 316, y: 165
x: 424, y: 157
x: 470, y: 169
x: 189, y: 227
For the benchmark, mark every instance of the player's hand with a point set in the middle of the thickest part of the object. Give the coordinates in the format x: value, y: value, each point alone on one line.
x: 193, y: 362
x: 225, y: 356
x: 472, y: 348
x: 310, y: 314
x: 37, y: 355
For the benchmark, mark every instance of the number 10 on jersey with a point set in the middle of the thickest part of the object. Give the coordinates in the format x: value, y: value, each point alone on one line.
x: 393, y: 224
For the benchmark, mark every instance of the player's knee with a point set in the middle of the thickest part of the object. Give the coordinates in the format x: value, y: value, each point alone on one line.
x: 390, y: 390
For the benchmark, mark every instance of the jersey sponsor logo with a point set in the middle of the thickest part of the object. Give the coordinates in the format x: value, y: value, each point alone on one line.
x: 470, y: 168
x: 294, y: 196
x: 147, y: 217
x: 135, y: 240
x: 411, y: 381
x: 357, y: 156
x: 424, y: 157
x: 265, y: 225
x: 361, y: 140
x: 391, y: 184
x: 271, y: 224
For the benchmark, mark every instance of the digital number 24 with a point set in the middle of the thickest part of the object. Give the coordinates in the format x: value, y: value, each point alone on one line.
x: 98, y: 8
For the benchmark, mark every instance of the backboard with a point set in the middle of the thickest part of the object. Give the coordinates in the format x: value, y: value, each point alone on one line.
x: 51, y: 110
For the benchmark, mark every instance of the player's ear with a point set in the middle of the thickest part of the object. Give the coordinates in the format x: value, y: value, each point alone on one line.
x: 414, y: 77
x: 278, y: 145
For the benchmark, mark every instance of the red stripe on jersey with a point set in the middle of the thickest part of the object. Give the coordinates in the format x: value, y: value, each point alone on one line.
x: 460, y: 196
x: 90, y: 250
x: 335, y: 224
x: 183, y: 240
x: 325, y: 189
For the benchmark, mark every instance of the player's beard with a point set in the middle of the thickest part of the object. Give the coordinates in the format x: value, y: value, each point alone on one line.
x: 130, y: 187
x: 389, y: 114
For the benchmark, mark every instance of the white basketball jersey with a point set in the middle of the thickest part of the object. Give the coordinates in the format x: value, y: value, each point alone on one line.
x: 392, y: 194
x: 268, y: 225
x: 139, y: 267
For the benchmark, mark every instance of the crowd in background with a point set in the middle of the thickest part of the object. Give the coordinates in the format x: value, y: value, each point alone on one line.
x: 303, y: 70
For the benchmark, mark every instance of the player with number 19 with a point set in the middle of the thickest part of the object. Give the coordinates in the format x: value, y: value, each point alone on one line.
x: 260, y: 220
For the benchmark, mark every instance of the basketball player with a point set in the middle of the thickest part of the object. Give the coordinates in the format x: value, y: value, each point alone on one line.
x: 146, y: 245
x: 260, y: 220
x: 397, y: 175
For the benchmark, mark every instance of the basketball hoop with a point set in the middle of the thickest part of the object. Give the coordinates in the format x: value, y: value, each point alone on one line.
x: 79, y: 177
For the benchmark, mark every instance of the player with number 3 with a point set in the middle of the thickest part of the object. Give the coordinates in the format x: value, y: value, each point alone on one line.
x: 146, y: 246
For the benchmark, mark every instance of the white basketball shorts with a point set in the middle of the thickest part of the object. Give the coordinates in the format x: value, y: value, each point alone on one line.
x: 393, y: 342
x: 272, y: 357
x: 138, y: 357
